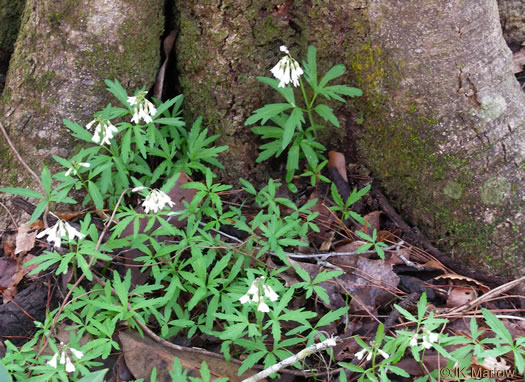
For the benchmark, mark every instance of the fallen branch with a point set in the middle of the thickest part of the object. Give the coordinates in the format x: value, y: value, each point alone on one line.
x: 329, y: 343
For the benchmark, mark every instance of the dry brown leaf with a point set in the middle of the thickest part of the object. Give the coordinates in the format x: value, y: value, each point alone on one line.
x: 143, y: 354
x: 7, y: 270
x: 373, y: 283
x: 9, y: 247
x: 460, y: 296
x: 25, y: 239
x: 337, y: 160
x: 455, y: 278
x: 324, y: 221
x: 372, y: 222
x: 348, y: 260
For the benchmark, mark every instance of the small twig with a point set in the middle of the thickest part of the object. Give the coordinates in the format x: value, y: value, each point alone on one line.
x: 487, y: 296
x: 329, y: 343
x: 10, y: 214
x: 20, y: 159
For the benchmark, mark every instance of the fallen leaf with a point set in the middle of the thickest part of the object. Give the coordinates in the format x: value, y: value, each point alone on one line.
x: 460, y: 296
x: 7, y: 270
x: 25, y: 239
x: 143, y: 354
x: 455, y: 278
x: 372, y: 222
x: 324, y: 221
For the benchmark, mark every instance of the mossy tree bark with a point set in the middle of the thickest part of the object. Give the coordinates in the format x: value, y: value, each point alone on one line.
x: 443, y: 114
x: 64, y: 51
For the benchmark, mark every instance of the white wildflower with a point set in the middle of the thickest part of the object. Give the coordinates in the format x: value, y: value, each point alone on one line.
x: 77, y: 353
x: 413, y: 341
x: 69, y: 365
x: 75, y: 166
x: 142, y: 108
x: 270, y: 293
x: 58, y: 231
x: 429, y: 338
x: 287, y: 69
x: 360, y: 354
x: 156, y: 201
x: 263, y: 307
x: 255, y: 294
x: 104, y: 130
x: 53, y: 361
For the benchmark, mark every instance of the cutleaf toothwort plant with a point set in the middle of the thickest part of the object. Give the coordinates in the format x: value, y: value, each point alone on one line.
x: 293, y: 124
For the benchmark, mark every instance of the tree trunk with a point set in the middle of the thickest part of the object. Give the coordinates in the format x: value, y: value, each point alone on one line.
x: 64, y: 52
x: 443, y: 113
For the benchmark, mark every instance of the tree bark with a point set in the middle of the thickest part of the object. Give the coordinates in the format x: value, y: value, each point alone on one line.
x: 64, y: 52
x: 442, y: 112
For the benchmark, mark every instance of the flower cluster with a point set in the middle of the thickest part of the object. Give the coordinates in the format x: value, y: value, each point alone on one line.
x: 104, y: 130
x: 258, y: 290
x: 287, y: 69
x: 75, y: 166
x: 428, y: 339
x: 64, y: 359
x: 361, y: 354
x: 155, y: 201
x: 142, y: 108
x: 58, y: 231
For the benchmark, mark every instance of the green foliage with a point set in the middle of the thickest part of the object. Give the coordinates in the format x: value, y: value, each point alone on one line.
x: 289, y: 127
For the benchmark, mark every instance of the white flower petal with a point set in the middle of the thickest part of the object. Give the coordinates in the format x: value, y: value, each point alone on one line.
x: 263, y: 307
x: 244, y: 299
x: 284, y: 49
x: 77, y: 353
x: 69, y: 365
x: 360, y: 354
x: 63, y: 357
x: 270, y: 293
x: 53, y: 361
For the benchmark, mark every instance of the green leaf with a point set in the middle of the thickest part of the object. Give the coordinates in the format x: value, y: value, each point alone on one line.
x: 286, y: 92
x: 4, y: 374
x: 266, y: 112
x: 295, y: 120
x: 325, y: 276
x: 292, y: 163
x: 95, y: 195
x: 97, y: 376
x: 334, y: 72
x: 352, y: 367
x: 497, y: 326
x: 78, y: 131
x: 23, y: 192
x: 327, y: 114
x: 310, y: 67
x: 46, y: 179
x: 309, y: 153
x: 331, y: 317
x: 247, y: 186
x: 115, y: 88
x: 39, y: 210
x: 335, y: 91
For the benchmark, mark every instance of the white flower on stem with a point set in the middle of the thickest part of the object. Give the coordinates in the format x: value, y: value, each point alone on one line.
x: 429, y: 338
x: 413, y: 340
x: 360, y: 354
x: 53, y: 361
x: 383, y: 353
x: 142, y: 108
x: 156, y: 200
x: 263, y: 307
x: 104, y: 130
x: 58, y: 231
x: 287, y: 69
x: 64, y: 359
x: 69, y: 365
x: 75, y: 167
x: 270, y: 293
x: 256, y: 293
